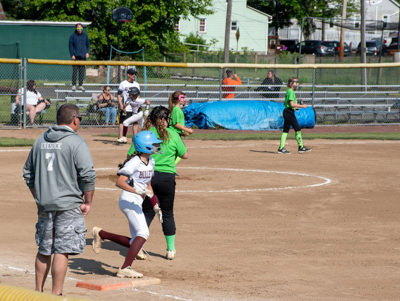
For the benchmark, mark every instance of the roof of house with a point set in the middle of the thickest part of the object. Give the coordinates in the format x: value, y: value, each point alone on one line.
x: 41, y: 23
x: 260, y: 12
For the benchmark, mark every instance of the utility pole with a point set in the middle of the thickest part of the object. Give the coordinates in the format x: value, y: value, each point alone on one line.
x: 363, y: 58
x: 227, y: 30
x: 344, y: 9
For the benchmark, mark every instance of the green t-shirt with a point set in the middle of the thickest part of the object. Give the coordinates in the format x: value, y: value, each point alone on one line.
x: 290, y: 96
x: 177, y: 116
x: 165, y: 162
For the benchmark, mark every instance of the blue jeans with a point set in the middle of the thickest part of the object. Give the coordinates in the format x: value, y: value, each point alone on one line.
x: 110, y: 111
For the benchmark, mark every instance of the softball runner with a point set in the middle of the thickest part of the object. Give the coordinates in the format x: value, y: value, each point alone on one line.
x: 163, y: 181
x: 290, y: 118
x: 134, y: 180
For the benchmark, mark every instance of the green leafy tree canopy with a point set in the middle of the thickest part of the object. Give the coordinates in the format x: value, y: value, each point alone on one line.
x: 152, y: 27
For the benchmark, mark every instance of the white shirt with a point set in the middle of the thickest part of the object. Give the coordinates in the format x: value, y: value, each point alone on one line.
x: 124, y: 88
x: 139, y: 175
x: 32, y: 98
x: 136, y: 104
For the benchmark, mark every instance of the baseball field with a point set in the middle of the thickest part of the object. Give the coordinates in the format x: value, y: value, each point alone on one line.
x: 251, y: 224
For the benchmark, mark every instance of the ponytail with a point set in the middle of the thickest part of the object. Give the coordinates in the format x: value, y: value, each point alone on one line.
x: 128, y: 157
x: 174, y: 99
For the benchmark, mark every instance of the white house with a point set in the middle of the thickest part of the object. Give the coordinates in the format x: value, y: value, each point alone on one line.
x: 251, y: 23
x: 375, y: 10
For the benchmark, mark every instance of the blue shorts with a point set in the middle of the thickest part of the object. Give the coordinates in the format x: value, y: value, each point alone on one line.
x: 61, y: 232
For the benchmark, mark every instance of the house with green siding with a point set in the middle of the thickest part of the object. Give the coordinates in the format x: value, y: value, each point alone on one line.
x: 251, y: 24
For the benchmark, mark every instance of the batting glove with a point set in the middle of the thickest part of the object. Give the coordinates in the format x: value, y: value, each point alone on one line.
x: 149, y: 193
x: 140, y: 192
x: 158, y: 212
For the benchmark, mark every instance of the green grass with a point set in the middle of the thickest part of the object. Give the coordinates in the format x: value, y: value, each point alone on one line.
x: 11, y: 141
x: 277, y: 135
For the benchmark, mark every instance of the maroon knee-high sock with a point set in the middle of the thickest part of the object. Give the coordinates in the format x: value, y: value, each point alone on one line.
x: 119, y: 239
x: 124, y: 131
x: 136, y: 245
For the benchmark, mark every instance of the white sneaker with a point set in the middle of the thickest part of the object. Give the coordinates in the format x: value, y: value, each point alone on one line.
x: 122, y: 140
x: 73, y: 88
x: 128, y: 272
x: 81, y: 88
x: 96, y: 243
x: 170, y: 254
x: 141, y: 255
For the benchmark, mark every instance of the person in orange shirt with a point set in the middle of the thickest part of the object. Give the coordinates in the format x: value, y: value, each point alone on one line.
x: 230, y: 80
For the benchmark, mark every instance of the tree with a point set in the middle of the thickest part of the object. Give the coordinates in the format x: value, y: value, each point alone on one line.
x: 152, y: 27
x: 195, y: 40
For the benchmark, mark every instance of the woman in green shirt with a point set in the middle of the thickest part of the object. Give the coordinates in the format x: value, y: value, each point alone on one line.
x: 289, y: 118
x: 163, y: 181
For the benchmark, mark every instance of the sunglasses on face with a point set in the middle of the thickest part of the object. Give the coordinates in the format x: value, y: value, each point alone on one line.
x: 79, y: 117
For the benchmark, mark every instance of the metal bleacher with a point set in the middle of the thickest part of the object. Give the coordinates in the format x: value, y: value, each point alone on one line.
x: 332, y: 104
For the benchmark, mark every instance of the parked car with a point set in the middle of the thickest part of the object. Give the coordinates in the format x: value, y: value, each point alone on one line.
x: 392, y: 48
x: 319, y: 48
x: 373, y: 47
x: 336, y: 46
x: 288, y: 45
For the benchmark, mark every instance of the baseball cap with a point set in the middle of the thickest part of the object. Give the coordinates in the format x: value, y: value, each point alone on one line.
x: 131, y: 71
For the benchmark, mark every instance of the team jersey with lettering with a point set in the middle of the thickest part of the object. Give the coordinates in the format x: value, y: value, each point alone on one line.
x: 139, y: 175
x: 124, y: 88
x: 290, y: 96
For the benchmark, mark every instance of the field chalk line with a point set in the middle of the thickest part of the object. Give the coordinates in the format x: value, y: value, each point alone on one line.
x: 324, y: 180
x: 74, y: 279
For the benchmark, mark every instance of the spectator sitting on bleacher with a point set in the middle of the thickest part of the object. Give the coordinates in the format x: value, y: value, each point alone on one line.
x: 35, y: 103
x: 107, y: 105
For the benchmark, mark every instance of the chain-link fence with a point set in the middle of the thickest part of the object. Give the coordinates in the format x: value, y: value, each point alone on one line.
x: 336, y: 91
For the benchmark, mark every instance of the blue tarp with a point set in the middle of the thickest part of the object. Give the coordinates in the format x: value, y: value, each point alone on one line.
x: 243, y: 115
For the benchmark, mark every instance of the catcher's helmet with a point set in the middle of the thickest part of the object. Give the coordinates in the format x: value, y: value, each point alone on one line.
x: 146, y: 142
x: 134, y: 91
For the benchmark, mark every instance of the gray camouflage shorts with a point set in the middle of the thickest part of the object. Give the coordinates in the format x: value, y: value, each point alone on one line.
x: 61, y: 232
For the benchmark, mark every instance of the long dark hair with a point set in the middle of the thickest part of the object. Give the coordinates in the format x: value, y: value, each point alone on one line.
x: 30, y: 84
x: 128, y: 157
x: 156, y: 119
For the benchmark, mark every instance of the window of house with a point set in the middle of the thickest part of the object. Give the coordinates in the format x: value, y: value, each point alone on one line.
x: 234, y: 25
x: 202, y: 27
x: 357, y: 22
x: 177, y: 26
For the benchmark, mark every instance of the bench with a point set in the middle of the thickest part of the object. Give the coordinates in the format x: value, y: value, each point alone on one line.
x: 90, y: 108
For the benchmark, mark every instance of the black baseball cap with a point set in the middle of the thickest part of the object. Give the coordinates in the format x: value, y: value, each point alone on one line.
x: 131, y: 71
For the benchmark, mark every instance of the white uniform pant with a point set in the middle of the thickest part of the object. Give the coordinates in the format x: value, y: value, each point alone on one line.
x: 136, y: 219
x: 134, y: 118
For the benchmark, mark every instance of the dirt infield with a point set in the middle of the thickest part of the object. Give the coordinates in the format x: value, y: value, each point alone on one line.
x: 251, y: 224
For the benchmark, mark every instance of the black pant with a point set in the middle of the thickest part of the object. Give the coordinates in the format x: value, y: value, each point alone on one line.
x: 164, y: 188
x: 78, y: 69
x: 289, y: 119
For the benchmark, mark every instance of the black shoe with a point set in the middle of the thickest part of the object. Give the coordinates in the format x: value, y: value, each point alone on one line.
x: 283, y: 151
x: 304, y: 149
